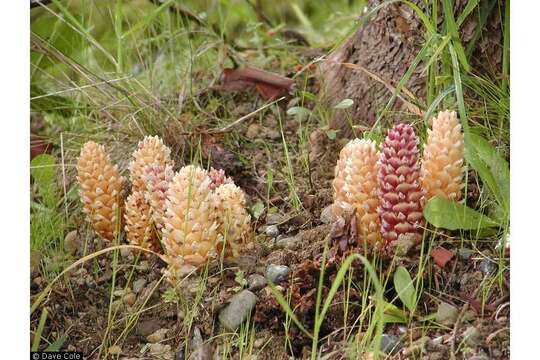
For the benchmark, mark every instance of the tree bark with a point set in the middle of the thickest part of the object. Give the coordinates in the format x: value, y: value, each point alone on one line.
x: 383, y: 49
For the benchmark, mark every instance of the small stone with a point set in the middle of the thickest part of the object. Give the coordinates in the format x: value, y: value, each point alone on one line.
x: 256, y: 282
x: 472, y: 336
x: 71, y: 243
x: 277, y: 273
x: 273, y: 219
x: 147, y: 327
x: 253, y: 131
x: 469, y: 315
x: 157, y: 336
x: 290, y: 242
x: 416, y: 347
x: 446, y: 314
x: 390, y: 344
x: 125, y: 253
x: 199, y: 349
x: 115, y: 350
x: 465, y: 254
x: 180, y: 353
x: 272, y: 134
x: 272, y: 231
x: 487, y: 266
x: 327, y: 215
x: 138, y: 285
x: 161, y: 351
x: 238, y: 309
x: 130, y: 298
x: 257, y: 344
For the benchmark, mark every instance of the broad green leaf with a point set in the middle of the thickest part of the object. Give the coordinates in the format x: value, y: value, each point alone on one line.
x: 44, y: 174
x: 331, y: 133
x: 57, y: 344
x: 257, y: 209
x: 393, y: 314
x: 344, y: 104
x: 296, y: 110
x: 405, y: 288
x: 451, y: 215
x: 492, y: 168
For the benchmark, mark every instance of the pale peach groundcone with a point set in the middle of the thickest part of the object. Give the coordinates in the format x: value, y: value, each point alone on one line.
x: 100, y: 190
x: 190, y: 231
x: 138, y: 224
x: 443, y: 168
x: 341, y: 204
x: 234, y: 220
x: 149, y: 151
x: 361, y: 188
x: 157, y: 179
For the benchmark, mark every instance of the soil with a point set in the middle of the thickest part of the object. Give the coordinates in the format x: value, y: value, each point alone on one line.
x: 79, y: 304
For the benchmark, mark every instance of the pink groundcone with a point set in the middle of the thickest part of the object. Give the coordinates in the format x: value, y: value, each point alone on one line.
x: 400, y: 190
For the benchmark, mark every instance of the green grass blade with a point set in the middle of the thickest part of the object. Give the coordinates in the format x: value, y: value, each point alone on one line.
x: 468, y: 9
x: 39, y: 330
x: 459, y: 89
x: 452, y: 30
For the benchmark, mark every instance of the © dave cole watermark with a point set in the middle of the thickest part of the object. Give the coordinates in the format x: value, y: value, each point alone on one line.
x: 56, y: 355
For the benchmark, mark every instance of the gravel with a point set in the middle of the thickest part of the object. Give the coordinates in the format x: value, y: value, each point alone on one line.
x: 277, y: 273
x: 238, y: 309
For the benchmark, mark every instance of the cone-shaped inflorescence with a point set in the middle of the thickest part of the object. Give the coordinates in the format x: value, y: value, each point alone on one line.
x: 400, y: 191
x: 356, y: 187
x: 361, y: 187
x: 340, y: 197
x: 442, y: 166
x: 100, y: 189
x: 190, y: 231
x: 149, y: 151
x: 157, y: 178
x: 234, y: 220
x: 218, y: 177
x: 138, y: 225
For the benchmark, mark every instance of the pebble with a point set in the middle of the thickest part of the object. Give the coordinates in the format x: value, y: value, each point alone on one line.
x: 147, y: 327
x: 253, y: 131
x: 446, y: 314
x: 180, y: 353
x: 272, y: 231
x: 259, y: 343
x: 472, y: 336
x: 487, y: 266
x: 273, y: 219
x: 125, y: 253
x: 157, y: 336
x: 390, y: 344
x: 198, y: 349
x: 115, y: 350
x: 256, y: 282
x: 71, y: 243
x: 130, y: 298
x: 277, y: 273
x: 138, y: 285
x: 161, y: 351
x: 327, y: 215
x: 465, y: 254
x: 238, y: 309
x: 290, y: 242
x: 272, y: 134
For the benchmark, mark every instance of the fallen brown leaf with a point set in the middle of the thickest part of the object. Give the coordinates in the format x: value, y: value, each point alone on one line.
x: 269, y: 85
x: 441, y: 256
